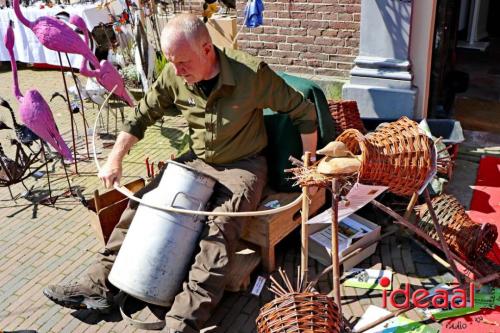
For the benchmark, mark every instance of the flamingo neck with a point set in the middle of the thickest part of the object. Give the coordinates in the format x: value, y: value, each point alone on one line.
x: 19, y: 14
x: 84, y: 69
x: 93, y: 58
x: 17, y: 91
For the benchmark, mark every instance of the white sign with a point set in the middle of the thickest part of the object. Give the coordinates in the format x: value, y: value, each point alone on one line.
x: 356, y: 199
x: 259, y: 284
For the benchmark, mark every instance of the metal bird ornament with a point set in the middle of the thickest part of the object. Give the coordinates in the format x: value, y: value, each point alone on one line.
x: 23, y: 133
x: 105, y: 73
x: 33, y: 109
x: 75, y: 108
x: 3, y: 126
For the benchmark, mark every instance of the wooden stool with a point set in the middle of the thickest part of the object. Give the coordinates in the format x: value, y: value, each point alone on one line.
x: 267, y: 231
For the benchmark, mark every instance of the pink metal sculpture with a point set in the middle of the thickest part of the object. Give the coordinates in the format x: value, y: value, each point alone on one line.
x: 54, y: 34
x: 34, y: 110
x: 57, y: 36
x: 105, y: 73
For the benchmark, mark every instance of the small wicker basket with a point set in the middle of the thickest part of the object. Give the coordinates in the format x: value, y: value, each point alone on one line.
x: 345, y: 113
x: 469, y: 240
x: 299, y: 312
x: 398, y: 155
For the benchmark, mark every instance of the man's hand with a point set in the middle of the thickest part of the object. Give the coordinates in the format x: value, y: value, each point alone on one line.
x: 111, y: 172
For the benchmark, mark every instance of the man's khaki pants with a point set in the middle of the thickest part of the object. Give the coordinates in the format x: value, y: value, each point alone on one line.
x: 239, y: 188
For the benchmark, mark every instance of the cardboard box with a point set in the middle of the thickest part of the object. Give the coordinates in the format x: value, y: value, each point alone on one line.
x: 223, y: 29
x: 321, y: 252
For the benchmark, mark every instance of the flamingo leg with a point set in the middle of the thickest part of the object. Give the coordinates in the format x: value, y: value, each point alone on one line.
x: 47, y: 171
x: 67, y: 177
x: 75, y: 163
x: 85, y: 124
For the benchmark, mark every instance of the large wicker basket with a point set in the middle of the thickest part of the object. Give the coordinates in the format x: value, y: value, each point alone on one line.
x: 469, y: 240
x: 345, y: 113
x: 397, y: 155
x: 299, y: 312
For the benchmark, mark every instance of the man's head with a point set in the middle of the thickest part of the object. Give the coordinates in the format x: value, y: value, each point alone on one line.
x: 187, y: 45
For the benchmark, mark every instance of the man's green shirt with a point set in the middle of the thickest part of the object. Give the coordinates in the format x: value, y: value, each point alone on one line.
x: 228, y: 125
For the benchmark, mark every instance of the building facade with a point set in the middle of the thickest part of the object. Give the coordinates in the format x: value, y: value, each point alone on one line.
x: 315, y: 37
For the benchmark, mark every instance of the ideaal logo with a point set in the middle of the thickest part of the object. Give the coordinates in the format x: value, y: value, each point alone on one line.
x: 420, y: 297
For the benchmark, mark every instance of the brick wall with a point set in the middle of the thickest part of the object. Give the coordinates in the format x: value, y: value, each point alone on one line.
x: 318, y: 37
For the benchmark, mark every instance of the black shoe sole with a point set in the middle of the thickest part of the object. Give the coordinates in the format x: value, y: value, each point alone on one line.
x: 85, y: 303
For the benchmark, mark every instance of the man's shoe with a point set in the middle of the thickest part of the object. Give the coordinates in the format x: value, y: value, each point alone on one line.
x: 78, y: 296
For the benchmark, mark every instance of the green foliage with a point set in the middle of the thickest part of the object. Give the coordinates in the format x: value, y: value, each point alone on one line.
x: 131, y: 76
x: 334, y: 90
x: 160, y: 63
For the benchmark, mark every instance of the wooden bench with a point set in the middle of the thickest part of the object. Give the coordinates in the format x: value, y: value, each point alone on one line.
x: 267, y: 231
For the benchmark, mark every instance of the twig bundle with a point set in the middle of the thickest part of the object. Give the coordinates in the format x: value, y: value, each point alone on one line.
x: 311, y: 177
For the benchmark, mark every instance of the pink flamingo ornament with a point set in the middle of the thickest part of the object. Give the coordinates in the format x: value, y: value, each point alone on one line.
x: 34, y: 110
x: 55, y: 35
x: 106, y: 74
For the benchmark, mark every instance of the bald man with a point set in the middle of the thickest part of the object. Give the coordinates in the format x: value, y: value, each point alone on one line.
x: 221, y: 94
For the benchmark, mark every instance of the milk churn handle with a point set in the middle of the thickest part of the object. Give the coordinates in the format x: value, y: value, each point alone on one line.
x: 200, y: 204
x: 123, y: 190
x: 143, y: 325
x: 131, y: 196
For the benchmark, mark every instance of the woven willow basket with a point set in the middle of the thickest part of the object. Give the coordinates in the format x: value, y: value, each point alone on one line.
x: 299, y: 312
x: 345, y: 113
x: 397, y: 155
x: 469, y: 240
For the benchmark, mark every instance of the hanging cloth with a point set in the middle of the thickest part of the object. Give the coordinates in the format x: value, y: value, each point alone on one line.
x: 254, y: 13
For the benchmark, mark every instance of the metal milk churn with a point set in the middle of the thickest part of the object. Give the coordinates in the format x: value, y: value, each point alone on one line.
x: 157, y: 251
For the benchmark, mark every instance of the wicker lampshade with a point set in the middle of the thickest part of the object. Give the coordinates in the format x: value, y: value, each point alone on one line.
x: 397, y: 155
x: 299, y: 312
x: 469, y: 240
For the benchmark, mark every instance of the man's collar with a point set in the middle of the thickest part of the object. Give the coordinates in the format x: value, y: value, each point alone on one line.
x: 226, y: 72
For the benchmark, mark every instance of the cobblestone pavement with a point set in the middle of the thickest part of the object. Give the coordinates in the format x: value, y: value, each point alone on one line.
x: 42, y: 245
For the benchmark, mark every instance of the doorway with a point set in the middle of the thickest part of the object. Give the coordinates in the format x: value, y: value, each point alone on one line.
x: 478, y: 108
x: 465, y: 70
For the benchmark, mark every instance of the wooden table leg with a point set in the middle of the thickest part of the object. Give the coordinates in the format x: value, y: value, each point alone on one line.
x: 268, y: 258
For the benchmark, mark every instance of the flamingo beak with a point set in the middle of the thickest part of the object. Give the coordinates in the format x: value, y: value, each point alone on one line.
x: 11, y: 23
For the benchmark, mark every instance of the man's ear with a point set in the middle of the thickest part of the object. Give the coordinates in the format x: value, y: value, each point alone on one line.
x: 206, y: 48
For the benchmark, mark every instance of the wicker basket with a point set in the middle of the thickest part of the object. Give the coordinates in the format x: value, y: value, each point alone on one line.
x: 345, y: 113
x: 299, y: 312
x: 469, y: 240
x: 397, y: 155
